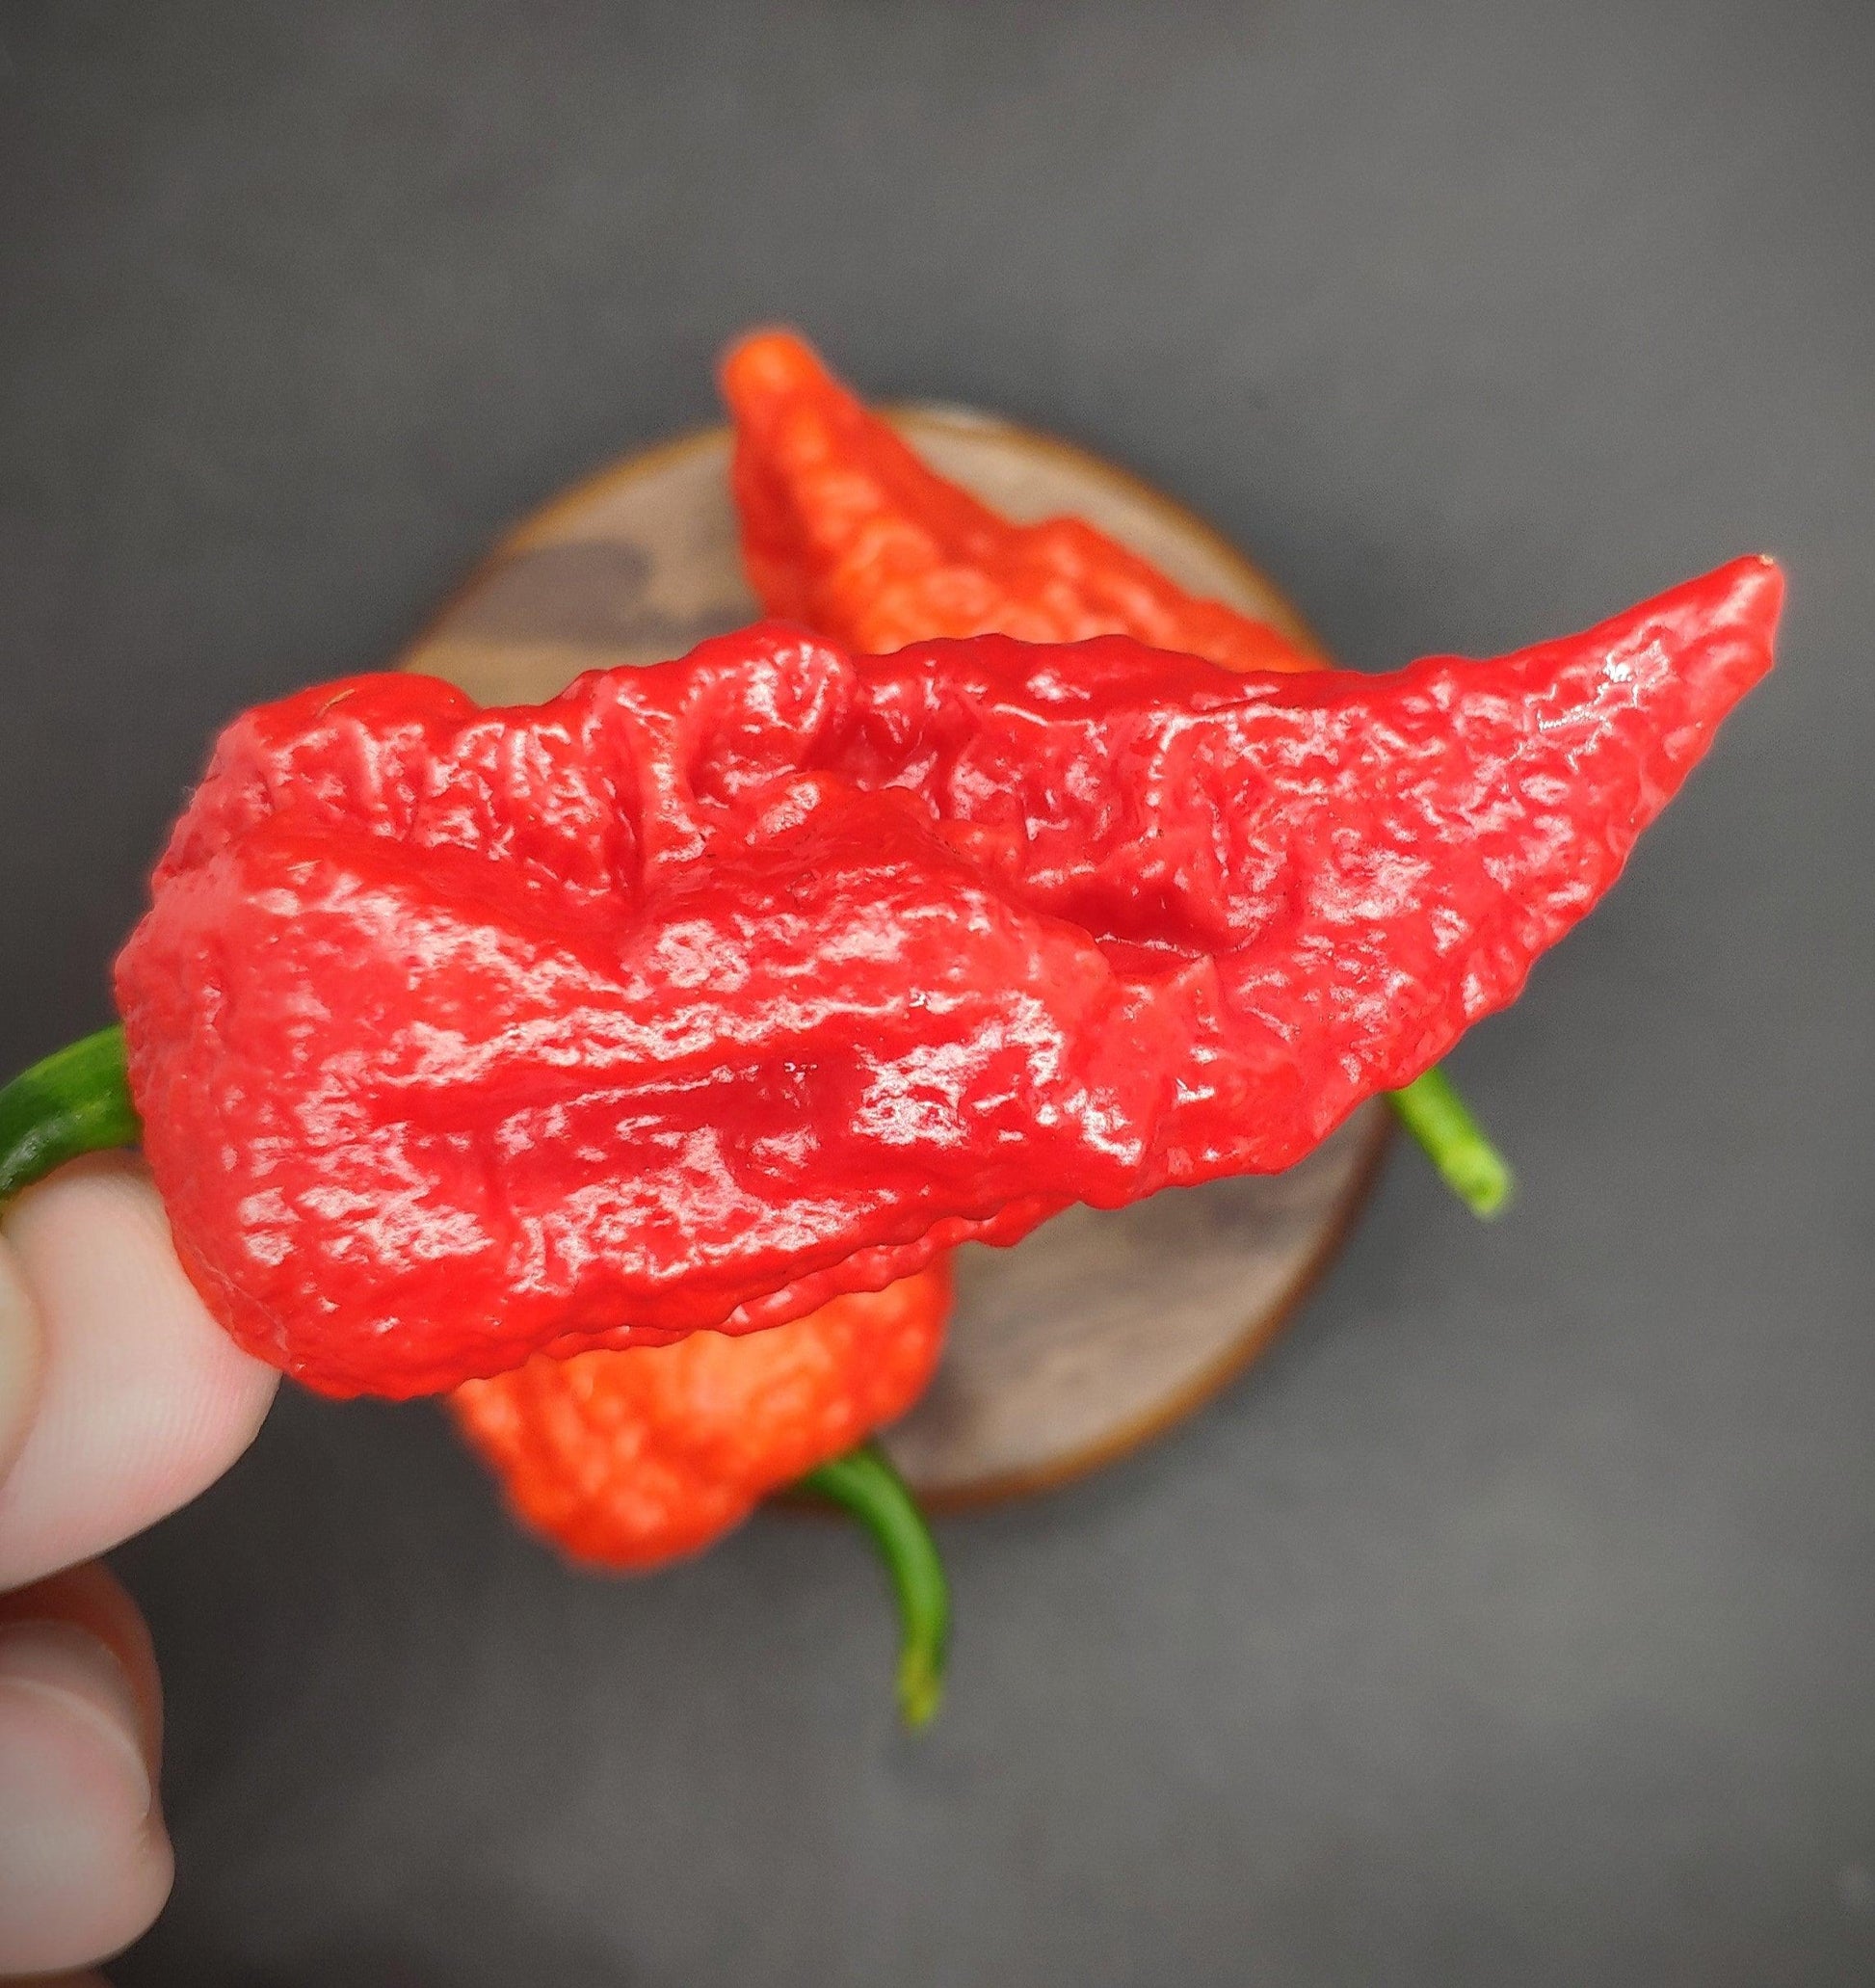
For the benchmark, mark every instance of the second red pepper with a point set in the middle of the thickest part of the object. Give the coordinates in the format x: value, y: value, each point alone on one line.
x: 845, y: 529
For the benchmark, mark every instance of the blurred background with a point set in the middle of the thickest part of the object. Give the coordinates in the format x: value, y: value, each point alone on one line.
x: 1511, y: 1620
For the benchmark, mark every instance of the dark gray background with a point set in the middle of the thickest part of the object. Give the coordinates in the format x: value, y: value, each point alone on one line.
x: 1514, y: 1621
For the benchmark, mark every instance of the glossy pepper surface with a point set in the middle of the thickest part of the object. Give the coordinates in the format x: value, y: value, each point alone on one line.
x: 846, y: 529
x: 843, y: 526
x: 705, y: 991
x: 627, y: 1460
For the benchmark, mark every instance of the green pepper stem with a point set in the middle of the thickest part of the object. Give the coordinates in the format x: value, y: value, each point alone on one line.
x: 1432, y: 1110
x: 866, y: 1483
x: 76, y: 1101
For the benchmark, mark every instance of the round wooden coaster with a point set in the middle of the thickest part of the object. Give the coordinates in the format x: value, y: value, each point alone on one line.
x: 1099, y: 1331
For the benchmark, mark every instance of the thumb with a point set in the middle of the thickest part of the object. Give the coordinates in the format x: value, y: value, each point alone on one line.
x: 120, y: 1398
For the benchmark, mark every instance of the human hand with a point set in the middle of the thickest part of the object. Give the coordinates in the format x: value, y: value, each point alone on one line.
x: 119, y: 1400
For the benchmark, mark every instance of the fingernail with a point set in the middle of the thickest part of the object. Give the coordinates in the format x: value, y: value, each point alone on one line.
x: 71, y: 1735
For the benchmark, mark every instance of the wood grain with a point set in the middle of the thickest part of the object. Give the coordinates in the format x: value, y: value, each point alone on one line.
x: 1101, y: 1330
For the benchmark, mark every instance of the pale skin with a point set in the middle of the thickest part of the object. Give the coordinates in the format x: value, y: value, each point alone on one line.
x: 119, y: 1400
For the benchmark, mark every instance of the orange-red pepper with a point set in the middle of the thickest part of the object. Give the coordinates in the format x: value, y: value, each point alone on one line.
x: 628, y: 1460
x: 845, y: 529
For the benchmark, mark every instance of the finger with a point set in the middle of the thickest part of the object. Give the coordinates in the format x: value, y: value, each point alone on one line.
x: 85, y: 1861
x: 141, y: 1400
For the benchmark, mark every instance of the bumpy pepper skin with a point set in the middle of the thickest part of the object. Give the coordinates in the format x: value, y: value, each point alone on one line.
x: 627, y: 1460
x: 845, y: 529
x: 706, y: 992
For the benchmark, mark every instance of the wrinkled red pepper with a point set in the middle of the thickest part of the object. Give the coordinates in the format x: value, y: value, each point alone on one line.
x: 704, y: 993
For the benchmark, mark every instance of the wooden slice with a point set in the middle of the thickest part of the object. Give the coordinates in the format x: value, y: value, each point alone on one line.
x: 1099, y: 1331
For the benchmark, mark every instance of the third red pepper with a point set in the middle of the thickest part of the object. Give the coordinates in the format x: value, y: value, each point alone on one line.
x: 627, y: 1460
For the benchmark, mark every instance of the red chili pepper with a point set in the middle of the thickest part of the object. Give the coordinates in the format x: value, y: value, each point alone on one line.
x: 704, y: 993
x: 844, y: 528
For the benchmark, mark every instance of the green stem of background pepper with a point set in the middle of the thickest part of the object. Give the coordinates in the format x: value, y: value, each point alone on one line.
x: 78, y: 1101
x: 1432, y: 1110
x: 874, y: 1492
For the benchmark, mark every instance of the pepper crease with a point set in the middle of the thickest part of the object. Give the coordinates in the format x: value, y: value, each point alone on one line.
x: 706, y: 992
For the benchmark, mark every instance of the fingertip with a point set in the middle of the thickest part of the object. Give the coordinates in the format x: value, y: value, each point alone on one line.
x: 142, y: 1400
x: 84, y: 1858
